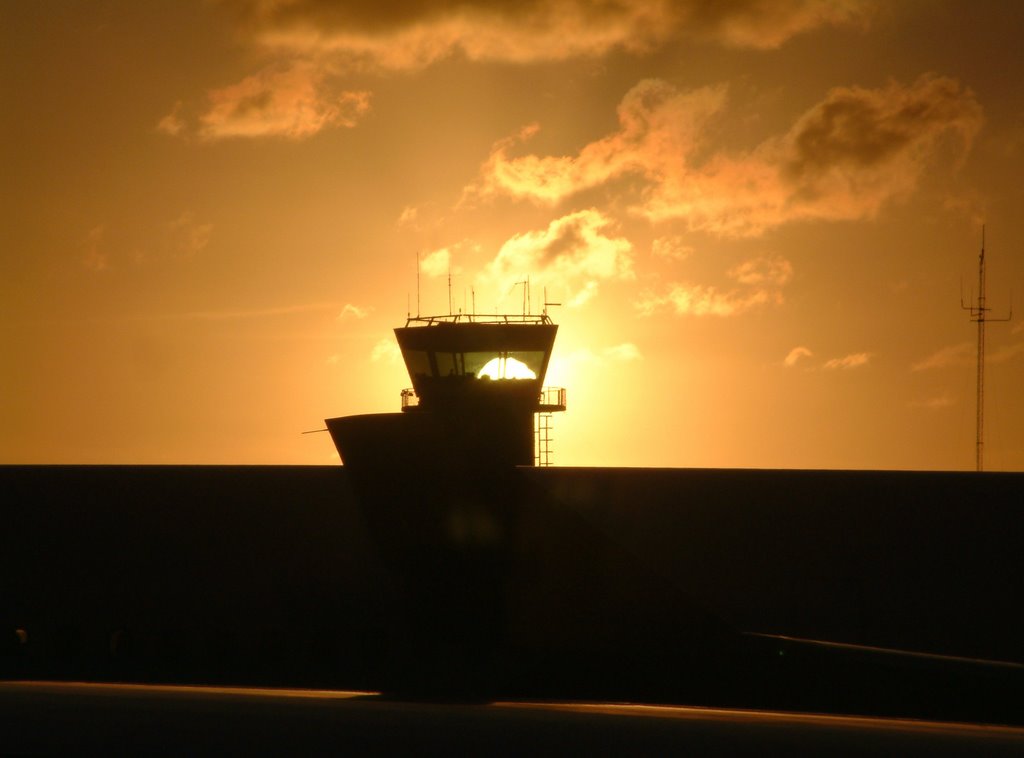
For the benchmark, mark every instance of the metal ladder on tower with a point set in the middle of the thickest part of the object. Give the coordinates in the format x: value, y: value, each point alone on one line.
x: 542, y: 448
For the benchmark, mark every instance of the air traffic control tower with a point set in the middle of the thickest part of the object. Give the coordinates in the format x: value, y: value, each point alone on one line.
x: 439, y: 484
x: 477, y: 396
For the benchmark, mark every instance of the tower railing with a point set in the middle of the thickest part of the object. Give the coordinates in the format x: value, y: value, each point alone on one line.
x: 550, y: 400
x: 479, y: 318
x: 409, y: 398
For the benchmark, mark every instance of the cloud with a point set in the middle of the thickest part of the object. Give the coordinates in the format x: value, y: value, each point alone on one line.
x: 657, y: 124
x: 767, y: 24
x: 386, y: 350
x: 571, y: 256
x: 701, y: 300
x: 185, y: 237
x: 1005, y: 353
x: 96, y: 258
x: 763, y: 271
x: 624, y: 353
x: 173, y: 123
x: 671, y: 248
x: 352, y: 311
x: 408, y: 216
x: 440, y: 262
x: 760, y: 283
x: 316, y: 43
x: 952, y: 355
x: 250, y: 313
x: 589, y: 360
x: 294, y: 100
x: 180, y: 239
x: 412, y: 35
x: 854, y: 360
x: 437, y: 263
x: 935, y: 403
x: 794, y: 356
x: 965, y: 354
x: 843, y: 159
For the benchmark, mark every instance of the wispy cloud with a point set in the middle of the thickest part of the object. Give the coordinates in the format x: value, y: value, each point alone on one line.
x: 702, y: 300
x: 759, y: 282
x: 965, y: 354
x: 934, y: 403
x: 591, y: 359
x: 180, y: 239
x: 843, y: 159
x: 671, y: 248
x: 413, y: 35
x: 386, y: 351
x: 294, y: 100
x: 185, y: 236
x: 408, y: 216
x: 173, y: 123
x: 436, y: 263
x: 794, y: 356
x: 96, y: 257
x: 1005, y: 352
x: 442, y: 261
x: 572, y: 255
x: 959, y: 354
x: 254, y: 313
x: 316, y: 44
x: 625, y: 352
x: 763, y: 271
x: 351, y: 311
x: 854, y: 360
x: 766, y: 25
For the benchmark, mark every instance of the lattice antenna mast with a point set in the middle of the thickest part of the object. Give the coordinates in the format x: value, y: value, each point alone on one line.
x: 979, y: 315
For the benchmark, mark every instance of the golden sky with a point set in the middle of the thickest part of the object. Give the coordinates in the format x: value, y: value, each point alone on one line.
x: 756, y: 215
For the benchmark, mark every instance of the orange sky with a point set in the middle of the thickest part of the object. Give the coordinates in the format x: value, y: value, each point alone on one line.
x: 757, y: 216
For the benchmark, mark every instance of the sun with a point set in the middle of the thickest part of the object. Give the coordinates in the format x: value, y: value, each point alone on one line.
x: 505, y: 368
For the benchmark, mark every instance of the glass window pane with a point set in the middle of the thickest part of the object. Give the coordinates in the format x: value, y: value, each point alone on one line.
x: 446, y: 365
x: 476, y: 361
x: 417, y: 362
x: 533, y: 359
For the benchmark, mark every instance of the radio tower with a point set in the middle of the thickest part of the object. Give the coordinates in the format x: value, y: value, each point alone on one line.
x: 979, y: 316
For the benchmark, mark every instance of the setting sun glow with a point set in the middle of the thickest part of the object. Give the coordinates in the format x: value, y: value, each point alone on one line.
x: 505, y: 368
x: 755, y: 224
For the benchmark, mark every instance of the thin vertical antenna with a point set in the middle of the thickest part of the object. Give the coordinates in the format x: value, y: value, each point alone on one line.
x: 979, y: 311
x: 524, y: 284
x: 546, y: 302
x: 449, y: 286
x: 473, y: 290
x: 417, y: 284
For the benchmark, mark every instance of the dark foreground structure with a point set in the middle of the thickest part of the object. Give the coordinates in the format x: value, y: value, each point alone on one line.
x: 68, y: 718
x: 699, y: 587
x: 444, y: 563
